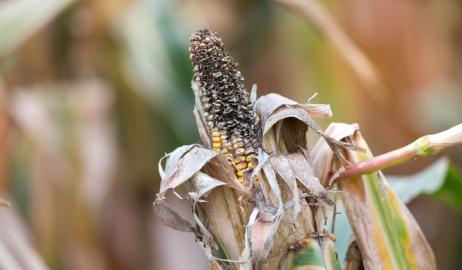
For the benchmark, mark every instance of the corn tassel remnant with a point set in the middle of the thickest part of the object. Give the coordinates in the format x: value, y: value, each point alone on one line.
x: 228, y: 110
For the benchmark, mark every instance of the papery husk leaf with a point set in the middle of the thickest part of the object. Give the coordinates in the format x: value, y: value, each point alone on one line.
x: 387, y: 234
x: 185, y: 167
x: 305, y: 174
x: 225, y: 216
x: 219, y: 207
x: 318, y: 110
x: 278, y: 114
x: 172, y: 161
x: 322, y: 156
x: 203, y: 183
x: 287, y: 112
x: 282, y: 167
x: 221, y: 213
x: 289, y: 123
x: 226, y: 211
x: 245, y: 257
x: 267, y: 104
x: 170, y: 218
x: 220, y: 169
x: 288, y: 230
x: 212, y: 249
x: 267, y: 223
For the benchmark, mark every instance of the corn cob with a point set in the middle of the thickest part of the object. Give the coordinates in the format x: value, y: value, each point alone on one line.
x: 228, y: 110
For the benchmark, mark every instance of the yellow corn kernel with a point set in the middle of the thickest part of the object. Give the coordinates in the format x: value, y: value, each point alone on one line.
x: 216, y: 146
x: 239, y: 151
x: 227, y: 144
x: 241, y: 166
x: 240, y: 159
x: 251, y: 165
x: 250, y: 157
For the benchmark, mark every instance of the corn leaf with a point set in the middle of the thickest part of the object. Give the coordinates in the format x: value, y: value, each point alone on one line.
x: 438, y: 180
x: 387, y: 234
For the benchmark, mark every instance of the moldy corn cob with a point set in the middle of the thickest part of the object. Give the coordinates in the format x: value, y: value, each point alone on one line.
x: 228, y: 110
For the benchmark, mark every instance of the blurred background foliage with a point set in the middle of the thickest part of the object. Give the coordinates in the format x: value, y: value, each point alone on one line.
x: 93, y: 93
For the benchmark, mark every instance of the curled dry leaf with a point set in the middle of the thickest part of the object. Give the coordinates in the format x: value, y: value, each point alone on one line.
x: 274, y: 108
x: 322, y: 156
x: 203, y: 183
x: 186, y: 166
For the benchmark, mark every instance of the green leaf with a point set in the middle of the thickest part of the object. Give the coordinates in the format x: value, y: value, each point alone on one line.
x: 427, y: 181
x: 19, y: 19
x: 440, y: 181
x: 310, y: 256
x: 451, y: 191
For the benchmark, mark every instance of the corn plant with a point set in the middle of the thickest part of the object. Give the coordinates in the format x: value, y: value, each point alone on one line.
x: 262, y: 198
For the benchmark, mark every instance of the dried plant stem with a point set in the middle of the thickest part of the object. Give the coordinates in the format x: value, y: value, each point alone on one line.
x: 422, y: 147
x: 319, y: 17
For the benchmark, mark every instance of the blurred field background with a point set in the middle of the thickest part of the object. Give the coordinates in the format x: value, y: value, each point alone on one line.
x: 94, y: 92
